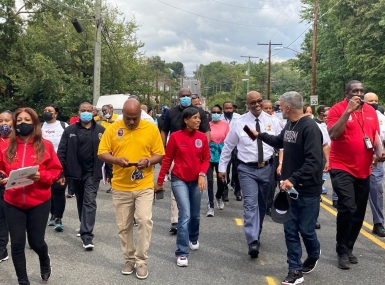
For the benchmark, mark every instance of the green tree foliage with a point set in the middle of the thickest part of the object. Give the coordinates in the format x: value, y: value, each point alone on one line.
x: 350, y: 45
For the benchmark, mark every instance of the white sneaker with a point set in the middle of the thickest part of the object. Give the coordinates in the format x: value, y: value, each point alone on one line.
x: 182, y: 261
x: 220, y: 204
x: 78, y: 233
x: 210, y: 212
x: 194, y: 246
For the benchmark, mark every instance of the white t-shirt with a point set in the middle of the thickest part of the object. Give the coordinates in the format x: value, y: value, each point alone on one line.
x: 143, y: 116
x: 53, y: 132
x: 325, y: 133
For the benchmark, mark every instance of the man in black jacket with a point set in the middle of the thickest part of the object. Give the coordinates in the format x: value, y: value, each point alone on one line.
x: 77, y: 153
x: 301, y: 140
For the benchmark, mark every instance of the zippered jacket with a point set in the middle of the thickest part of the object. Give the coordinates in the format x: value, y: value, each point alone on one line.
x: 49, y: 168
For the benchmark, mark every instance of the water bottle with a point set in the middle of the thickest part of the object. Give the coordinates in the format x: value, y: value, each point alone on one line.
x: 324, y: 176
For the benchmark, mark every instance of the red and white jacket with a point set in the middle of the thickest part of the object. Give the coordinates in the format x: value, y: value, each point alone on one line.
x: 49, y: 168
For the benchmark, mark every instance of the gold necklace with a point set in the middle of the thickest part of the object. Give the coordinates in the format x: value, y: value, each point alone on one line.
x: 295, y: 124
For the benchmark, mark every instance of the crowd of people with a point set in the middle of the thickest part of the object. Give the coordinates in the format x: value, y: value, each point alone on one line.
x: 271, y: 146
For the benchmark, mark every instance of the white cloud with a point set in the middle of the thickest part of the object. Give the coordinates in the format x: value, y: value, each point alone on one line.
x: 176, y: 35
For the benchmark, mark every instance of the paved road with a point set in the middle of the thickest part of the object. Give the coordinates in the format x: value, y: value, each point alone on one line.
x: 222, y: 258
x: 192, y: 84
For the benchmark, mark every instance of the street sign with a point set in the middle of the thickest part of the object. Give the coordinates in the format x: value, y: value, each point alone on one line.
x: 314, y: 100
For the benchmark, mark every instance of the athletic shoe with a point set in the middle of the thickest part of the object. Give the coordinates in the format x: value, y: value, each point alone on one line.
x: 210, y: 212
x: 58, y: 225
x: 309, y: 265
x: 88, y: 245
x: 182, y: 261
x: 78, y: 233
x: 343, y: 261
x: 69, y: 195
x: 324, y: 190
x: 293, y: 278
x: 142, y: 271
x: 45, y: 269
x: 4, y: 255
x: 352, y: 258
x: 194, y: 245
x: 128, y: 268
x: 174, y: 228
x: 109, y: 190
x: 51, y: 221
x: 220, y: 204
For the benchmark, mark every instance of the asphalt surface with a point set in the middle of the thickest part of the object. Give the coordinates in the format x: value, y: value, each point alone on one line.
x: 221, y: 259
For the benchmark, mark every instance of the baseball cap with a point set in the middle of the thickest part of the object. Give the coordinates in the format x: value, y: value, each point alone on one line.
x: 280, y: 212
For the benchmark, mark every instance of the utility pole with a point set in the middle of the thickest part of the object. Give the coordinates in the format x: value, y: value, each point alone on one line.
x: 314, y: 51
x: 269, y: 67
x: 97, y: 55
x: 248, y: 70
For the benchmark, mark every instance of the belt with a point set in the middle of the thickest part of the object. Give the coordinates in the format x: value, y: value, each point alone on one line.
x: 256, y: 164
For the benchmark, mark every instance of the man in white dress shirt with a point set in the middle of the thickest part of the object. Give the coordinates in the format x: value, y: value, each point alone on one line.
x: 255, y: 165
x: 375, y: 193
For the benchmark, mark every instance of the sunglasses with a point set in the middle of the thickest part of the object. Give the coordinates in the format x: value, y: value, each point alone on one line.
x: 215, y: 112
x: 195, y: 97
x: 185, y: 95
x: 253, y: 103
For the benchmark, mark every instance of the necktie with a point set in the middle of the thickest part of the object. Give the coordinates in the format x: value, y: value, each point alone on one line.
x: 259, y: 142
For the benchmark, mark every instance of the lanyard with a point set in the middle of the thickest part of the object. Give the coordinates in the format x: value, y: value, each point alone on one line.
x: 363, y: 122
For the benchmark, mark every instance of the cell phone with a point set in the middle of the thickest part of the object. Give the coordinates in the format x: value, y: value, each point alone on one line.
x: 132, y: 164
x: 248, y: 132
x: 159, y: 195
x: 362, y: 102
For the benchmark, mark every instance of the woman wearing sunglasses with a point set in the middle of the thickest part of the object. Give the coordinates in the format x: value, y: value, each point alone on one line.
x: 189, y: 149
x: 219, y: 131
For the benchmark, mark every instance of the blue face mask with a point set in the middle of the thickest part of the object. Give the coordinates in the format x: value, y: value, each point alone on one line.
x: 107, y: 116
x: 5, y: 130
x: 185, y: 101
x: 216, y: 117
x: 85, y: 117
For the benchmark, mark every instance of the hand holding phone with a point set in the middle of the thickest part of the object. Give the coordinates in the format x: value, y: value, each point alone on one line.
x: 249, y: 133
x: 159, y: 195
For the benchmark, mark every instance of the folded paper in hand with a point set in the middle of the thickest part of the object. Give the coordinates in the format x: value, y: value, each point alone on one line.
x: 18, y: 178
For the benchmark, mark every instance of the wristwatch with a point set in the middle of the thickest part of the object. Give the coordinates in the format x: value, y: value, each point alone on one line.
x: 202, y: 174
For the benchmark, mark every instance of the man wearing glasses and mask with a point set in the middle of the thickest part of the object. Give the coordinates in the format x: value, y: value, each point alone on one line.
x: 172, y: 123
x: 255, y: 165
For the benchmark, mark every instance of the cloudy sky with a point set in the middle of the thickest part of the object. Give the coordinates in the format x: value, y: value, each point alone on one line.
x: 202, y: 31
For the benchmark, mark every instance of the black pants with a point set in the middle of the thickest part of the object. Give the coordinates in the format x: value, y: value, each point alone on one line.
x: 3, y: 228
x: 70, y: 190
x: 210, y: 184
x: 274, y: 182
x: 58, y: 199
x: 352, y: 195
x: 34, y: 221
x: 85, y: 192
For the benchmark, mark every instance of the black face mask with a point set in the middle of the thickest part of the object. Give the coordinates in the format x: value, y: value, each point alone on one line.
x: 47, y: 116
x: 276, y: 108
x: 375, y: 106
x: 24, y: 129
x: 228, y: 114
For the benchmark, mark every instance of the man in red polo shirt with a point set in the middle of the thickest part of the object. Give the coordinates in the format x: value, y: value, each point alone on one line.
x: 352, y: 127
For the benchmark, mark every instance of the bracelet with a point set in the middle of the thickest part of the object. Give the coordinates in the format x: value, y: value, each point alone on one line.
x: 148, y: 162
x: 202, y: 174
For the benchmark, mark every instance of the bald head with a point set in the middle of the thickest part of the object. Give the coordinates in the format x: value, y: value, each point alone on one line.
x: 267, y: 106
x: 370, y: 97
x: 183, y: 92
x: 254, y: 102
x: 131, y: 113
x: 253, y: 94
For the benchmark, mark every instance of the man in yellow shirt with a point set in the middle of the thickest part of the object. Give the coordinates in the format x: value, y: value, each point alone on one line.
x: 133, y: 146
x: 108, y: 116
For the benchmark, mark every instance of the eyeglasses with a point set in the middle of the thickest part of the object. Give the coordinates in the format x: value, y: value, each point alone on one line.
x: 194, y: 97
x: 215, y: 112
x: 253, y: 103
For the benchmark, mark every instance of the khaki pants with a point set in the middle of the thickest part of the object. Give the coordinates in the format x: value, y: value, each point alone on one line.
x: 128, y: 205
x: 174, y: 206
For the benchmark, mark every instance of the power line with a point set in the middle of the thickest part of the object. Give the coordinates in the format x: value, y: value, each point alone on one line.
x: 213, y: 19
x: 113, y: 53
x: 252, y: 8
x: 71, y: 8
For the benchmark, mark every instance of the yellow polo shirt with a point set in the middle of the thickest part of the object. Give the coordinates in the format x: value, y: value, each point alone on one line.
x: 107, y: 124
x: 143, y: 142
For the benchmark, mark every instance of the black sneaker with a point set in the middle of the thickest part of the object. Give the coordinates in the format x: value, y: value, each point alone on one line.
x: 88, y: 245
x: 309, y: 265
x: 174, y: 228
x: 254, y: 249
x: 45, y: 269
x: 343, y: 261
x: 4, y: 255
x: 293, y: 277
x: 352, y: 258
x: 58, y: 225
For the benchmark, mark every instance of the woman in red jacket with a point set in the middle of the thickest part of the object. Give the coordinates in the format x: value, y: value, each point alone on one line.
x: 27, y: 208
x: 189, y: 149
x: 5, y: 131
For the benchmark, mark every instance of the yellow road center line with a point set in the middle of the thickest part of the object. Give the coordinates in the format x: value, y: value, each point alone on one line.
x: 363, y: 232
x: 270, y: 280
x: 365, y: 224
x: 239, y: 222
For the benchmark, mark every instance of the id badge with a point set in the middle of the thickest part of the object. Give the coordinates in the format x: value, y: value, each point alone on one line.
x: 368, y: 143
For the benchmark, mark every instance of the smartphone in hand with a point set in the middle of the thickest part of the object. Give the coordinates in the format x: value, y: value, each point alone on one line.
x: 132, y: 164
x: 159, y: 195
x: 248, y: 132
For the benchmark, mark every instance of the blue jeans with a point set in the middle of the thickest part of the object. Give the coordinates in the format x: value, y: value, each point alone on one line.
x: 188, y: 198
x: 304, y: 213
